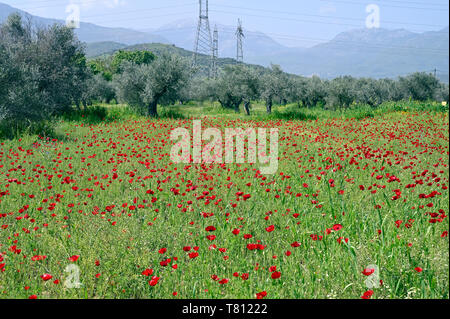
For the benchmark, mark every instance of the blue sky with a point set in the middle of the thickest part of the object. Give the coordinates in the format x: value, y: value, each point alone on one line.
x: 290, y: 22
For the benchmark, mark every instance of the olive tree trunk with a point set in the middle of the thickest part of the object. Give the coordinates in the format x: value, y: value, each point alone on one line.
x: 247, y: 107
x: 269, y: 105
x: 153, y: 109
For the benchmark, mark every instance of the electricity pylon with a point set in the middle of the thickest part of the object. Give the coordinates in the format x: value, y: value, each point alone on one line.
x: 215, y: 52
x: 239, y: 36
x: 203, y: 41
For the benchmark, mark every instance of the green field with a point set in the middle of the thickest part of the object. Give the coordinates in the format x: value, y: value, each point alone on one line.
x: 359, y: 195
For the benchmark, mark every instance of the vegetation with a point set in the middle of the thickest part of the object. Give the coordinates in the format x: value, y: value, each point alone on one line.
x: 93, y: 207
x: 99, y: 206
x: 44, y: 72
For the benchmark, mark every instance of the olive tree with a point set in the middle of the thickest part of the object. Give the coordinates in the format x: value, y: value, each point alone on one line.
x: 419, y: 86
x: 98, y: 89
x: 274, y: 84
x: 297, y: 91
x: 236, y: 84
x: 144, y: 86
x: 442, y: 93
x: 42, y: 70
x: 316, y: 91
x: 341, y: 91
x: 370, y: 91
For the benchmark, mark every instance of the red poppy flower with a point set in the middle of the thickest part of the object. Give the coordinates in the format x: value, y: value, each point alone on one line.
x: 153, y: 281
x: 224, y: 281
x: 46, y: 277
x: 147, y: 272
x: 74, y: 258
x: 261, y: 295
x: 276, y: 275
x: 295, y: 244
x: 193, y: 255
x: 367, y: 294
x: 368, y: 271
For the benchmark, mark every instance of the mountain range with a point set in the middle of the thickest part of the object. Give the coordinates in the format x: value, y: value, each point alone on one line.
x: 89, y: 32
x: 361, y: 53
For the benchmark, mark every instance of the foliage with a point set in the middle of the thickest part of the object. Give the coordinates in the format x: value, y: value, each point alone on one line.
x: 419, y: 86
x: 42, y: 72
x: 350, y: 197
x: 144, y: 86
x: 236, y: 84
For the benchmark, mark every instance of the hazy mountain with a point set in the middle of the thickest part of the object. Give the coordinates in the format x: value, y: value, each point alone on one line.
x: 89, y: 32
x: 182, y: 33
x: 369, y: 53
x: 362, y: 53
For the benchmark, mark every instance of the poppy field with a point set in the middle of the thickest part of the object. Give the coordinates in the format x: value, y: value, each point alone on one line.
x: 357, y: 209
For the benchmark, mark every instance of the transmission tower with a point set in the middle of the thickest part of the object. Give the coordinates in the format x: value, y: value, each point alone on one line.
x: 215, y: 51
x: 203, y: 41
x: 239, y: 36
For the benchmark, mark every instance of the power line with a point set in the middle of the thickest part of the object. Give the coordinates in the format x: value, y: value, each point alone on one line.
x: 239, y: 36
x: 323, y: 16
x: 292, y: 19
x: 412, y: 2
x: 203, y: 40
x: 138, y: 18
x: 86, y: 2
x: 388, y: 5
x: 215, y: 51
x: 144, y: 10
x: 322, y: 40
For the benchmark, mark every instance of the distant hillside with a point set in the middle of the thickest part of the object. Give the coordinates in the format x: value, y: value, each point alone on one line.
x: 182, y: 34
x: 94, y: 49
x: 361, y: 53
x: 203, y: 61
x: 89, y: 32
x: 374, y: 53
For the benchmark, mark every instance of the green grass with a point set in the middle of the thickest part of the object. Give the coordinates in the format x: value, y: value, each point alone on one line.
x: 352, y: 147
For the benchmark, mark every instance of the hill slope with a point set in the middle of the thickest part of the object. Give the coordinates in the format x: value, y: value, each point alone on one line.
x: 89, y: 32
x: 203, y: 61
x: 369, y: 53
